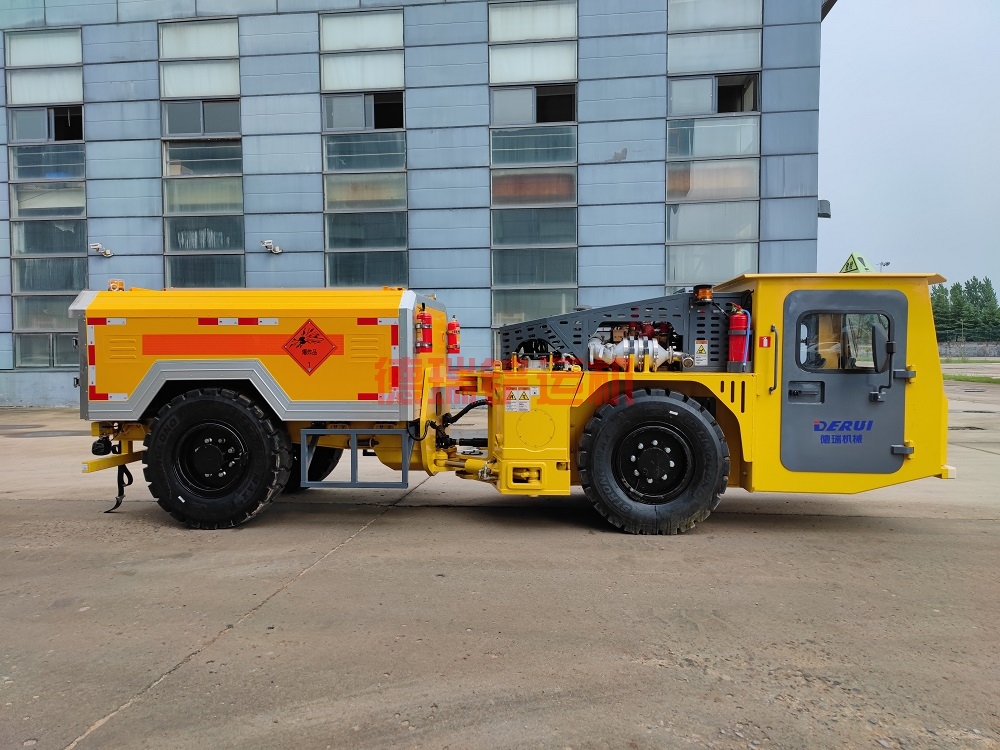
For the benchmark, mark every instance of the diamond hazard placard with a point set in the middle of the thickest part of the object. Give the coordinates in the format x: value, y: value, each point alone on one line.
x: 309, y: 346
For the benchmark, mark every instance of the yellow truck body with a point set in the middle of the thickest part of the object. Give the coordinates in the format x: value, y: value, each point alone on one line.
x: 788, y: 383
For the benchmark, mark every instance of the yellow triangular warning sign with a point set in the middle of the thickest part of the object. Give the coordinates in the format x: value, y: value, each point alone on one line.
x: 856, y: 264
x: 511, y: 396
x: 524, y: 396
x: 702, y: 349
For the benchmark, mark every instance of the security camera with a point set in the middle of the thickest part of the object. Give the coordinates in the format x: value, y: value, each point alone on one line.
x: 98, y: 248
x: 270, y: 246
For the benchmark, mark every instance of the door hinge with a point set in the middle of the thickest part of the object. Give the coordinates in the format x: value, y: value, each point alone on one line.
x: 904, y: 374
x: 902, y: 450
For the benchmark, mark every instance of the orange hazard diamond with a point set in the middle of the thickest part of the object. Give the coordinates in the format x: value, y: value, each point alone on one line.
x: 309, y: 346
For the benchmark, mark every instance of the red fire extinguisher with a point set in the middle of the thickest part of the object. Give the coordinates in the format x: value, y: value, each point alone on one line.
x: 425, y: 331
x: 739, y: 336
x: 454, y: 336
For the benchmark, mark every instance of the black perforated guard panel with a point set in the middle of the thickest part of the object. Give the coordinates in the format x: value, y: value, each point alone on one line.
x: 570, y: 332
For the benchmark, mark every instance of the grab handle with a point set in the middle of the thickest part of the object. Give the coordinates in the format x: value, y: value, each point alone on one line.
x: 773, y: 388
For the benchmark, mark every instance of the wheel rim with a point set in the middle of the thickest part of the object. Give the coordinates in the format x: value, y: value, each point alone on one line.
x: 654, y: 463
x: 211, y: 459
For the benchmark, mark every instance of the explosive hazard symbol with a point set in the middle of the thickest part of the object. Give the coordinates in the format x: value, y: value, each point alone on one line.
x: 309, y: 346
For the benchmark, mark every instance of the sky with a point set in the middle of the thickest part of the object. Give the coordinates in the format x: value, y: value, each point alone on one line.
x: 909, y: 136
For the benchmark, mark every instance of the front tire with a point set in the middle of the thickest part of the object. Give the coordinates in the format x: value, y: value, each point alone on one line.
x: 214, y: 459
x: 655, y: 463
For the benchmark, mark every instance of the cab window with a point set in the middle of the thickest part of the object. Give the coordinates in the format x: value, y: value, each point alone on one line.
x: 847, y: 342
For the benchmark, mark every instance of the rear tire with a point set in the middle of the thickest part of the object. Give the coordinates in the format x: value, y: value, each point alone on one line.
x: 214, y: 459
x: 323, y: 463
x: 657, y: 465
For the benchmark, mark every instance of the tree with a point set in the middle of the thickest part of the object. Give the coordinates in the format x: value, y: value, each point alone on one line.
x: 941, y: 307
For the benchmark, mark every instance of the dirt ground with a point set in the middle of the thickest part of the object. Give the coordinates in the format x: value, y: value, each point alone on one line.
x: 447, y: 616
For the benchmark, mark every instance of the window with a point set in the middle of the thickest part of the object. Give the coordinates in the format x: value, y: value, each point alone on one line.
x: 203, y: 227
x: 712, y: 222
x: 713, y: 180
x: 693, y: 15
x: 47, y: 191
x: 712, y: 137
x: 533, y: 154
x: 717, y: 50
x: 364, y: 149
x: 849, y: 342
x: 688, y: 265
x: 713, y: 95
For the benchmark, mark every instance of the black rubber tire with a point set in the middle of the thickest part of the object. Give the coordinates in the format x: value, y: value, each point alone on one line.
x: 324, y: 461
x: 655, y: 463
x: 214, y: 459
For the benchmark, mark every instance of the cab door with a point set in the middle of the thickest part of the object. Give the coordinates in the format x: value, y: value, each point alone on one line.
x: 842, y: 409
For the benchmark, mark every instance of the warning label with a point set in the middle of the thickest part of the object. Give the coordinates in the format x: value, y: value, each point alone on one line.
x: 519, y: 399
x: 309, y: 346
x: 701, y: 353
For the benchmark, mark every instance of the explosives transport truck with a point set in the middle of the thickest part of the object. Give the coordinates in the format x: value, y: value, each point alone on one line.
x: 779, y: 383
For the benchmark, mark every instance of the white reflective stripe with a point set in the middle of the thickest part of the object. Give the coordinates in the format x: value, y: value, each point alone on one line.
x: 116, y: 321
x: 388, y: 321
x: 117, y: 397
x: 91, y: 375
x: 395, y: 354
x: 229, y: 321
x: 90, y: 335
x: 267, y: 321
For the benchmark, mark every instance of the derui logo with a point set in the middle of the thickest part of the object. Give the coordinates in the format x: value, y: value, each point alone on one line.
x: 845, y: 425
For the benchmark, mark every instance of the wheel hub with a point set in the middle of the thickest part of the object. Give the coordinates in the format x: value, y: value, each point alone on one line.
x: 654, y: 463
x: 212, y: 458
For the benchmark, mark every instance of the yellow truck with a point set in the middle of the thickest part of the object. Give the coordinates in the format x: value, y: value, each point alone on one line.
x: 779, y: 383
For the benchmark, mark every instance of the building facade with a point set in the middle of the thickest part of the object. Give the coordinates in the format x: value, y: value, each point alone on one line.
x: 517, y: 158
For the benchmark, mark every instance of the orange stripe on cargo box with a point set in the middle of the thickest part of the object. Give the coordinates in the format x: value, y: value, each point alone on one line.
x: 225, y: 344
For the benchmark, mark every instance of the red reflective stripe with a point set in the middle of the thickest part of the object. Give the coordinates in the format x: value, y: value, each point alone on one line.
x: 247, y: 321
x: 395, y: 335
x: 95, y: 396
x: 367, y: 397
x: 208, y: 321
x: 97, y: 321
x: 395, y: 376
x: 91, y: 355
x: 367, y: 321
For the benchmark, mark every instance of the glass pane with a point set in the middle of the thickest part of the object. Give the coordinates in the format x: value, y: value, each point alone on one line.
x: 520, y: 187
x: 513, y: 106
x: 49, y: 162
x: 31, y: 349
x: 518, y: 305
x: 204, y: 271
x: 719, y: 50
x: 33, y: 48
x: 29, y: 199
x: 367, y: 269
x: 690, y: 15
x: 534, y: 226
x: 718, y: 136
x: 518, y: 22
x: 541, y: 61
x: 182, y: 118
x: 67, y: 237
x: 194, y: 233
x: 346, y: 112
x: 29, y: 124
x: 688, y: 265
x: 523, y: 267
x: 360, y: 191
x: 363, y: 71
x: 44, y: 86
x: 199, y: 39
x: 838, y: 341
x: 65, y: 352
x: 43, y: 313
x: 49, y: 274
x: 197, y: 195
x: 691, y: 96
x: 365, y: 151
x: 203, y: 157
x: 222, y: 117
x: 370, y: 230
x: 548, y: 145
x: 713, y: 180
x: 203, y: 78
x: 369, y: 30
x: 700, y: 222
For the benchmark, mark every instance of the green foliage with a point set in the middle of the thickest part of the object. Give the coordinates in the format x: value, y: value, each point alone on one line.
x: 967, y: 311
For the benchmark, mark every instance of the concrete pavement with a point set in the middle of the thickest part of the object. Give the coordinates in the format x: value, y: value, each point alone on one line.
x: 446, y: 615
